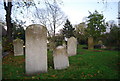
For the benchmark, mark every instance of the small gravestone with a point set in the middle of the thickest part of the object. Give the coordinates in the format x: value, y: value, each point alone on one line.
x: 18, y: 47
x: 60, y: 58
x: 71, y: 46
x: 100, y: 42
x: 36, y: 49
x: 90, y: 43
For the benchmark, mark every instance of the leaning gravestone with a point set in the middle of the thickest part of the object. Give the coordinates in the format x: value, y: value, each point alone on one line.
x: 90, y: 43
x: 36, y: 49
x: 18, y: 47
x: 71, y: 46
x: 60, y: 58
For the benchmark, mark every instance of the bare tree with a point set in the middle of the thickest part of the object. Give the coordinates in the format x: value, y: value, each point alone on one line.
x: 8, y: 5
x: 51, y: 16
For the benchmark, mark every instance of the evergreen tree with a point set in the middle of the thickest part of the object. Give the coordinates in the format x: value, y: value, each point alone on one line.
x: 96, y: 24
x: 68, y: 30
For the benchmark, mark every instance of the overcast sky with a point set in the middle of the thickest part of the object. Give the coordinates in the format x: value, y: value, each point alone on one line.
x: 77, y: 10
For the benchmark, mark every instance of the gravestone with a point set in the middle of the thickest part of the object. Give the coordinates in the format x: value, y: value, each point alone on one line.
x: 100, y: 42
x: 60, y: 58
x: 36, y: 49
x: 71, y: 46
x: 18, y: 47
x: 90, y: 43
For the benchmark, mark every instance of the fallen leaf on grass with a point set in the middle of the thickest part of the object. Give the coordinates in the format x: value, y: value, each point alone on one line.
x: 98, y: 71
x: 17, y: 71
x: 91, y: 75
x: 38, y: 74
x: 88, y: 74
x: 33, y: 77
x: 94, y: 74
x: 82, y: 73
x: 53, y: 75
x: 38, y: 78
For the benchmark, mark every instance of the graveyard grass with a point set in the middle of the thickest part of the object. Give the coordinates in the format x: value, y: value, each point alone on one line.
x: 87, y: 64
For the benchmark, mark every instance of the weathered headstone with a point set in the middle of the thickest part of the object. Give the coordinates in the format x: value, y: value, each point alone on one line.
x: 90, y: 43
x: 18, y: 47
x: 36, y: 49
x: 60, y: 58
x: 71, y: 46
x: 100, y: 42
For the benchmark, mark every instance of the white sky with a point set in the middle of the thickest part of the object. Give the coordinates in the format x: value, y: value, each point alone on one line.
x: 76, y: 10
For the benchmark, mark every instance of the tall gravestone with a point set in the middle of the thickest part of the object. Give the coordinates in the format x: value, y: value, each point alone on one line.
x: 90, y: 43
x: 72, y: 46
x: 18, y: 47
x: 36, y: 49
x: 60, y: 58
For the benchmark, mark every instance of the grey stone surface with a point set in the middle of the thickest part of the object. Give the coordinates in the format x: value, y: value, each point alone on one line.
x: 60, y: 58
x: 100, y: 42
x: 72, y: 46
x: 36, y: 49
x: 90, y: 43
x: 18, y: 47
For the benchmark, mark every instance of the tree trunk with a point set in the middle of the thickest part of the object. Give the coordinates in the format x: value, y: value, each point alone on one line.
x: 8, y: 9
x: 54, y: 28
x: 49, y: 34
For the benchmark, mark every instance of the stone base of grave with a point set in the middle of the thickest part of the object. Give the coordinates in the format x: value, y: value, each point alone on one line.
x: 34, y: 73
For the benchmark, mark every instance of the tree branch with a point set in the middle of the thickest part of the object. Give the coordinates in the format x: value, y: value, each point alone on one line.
x: 5, y: 7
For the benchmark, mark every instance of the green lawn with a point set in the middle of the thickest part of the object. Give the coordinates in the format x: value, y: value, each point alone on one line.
x: 87, y: 64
